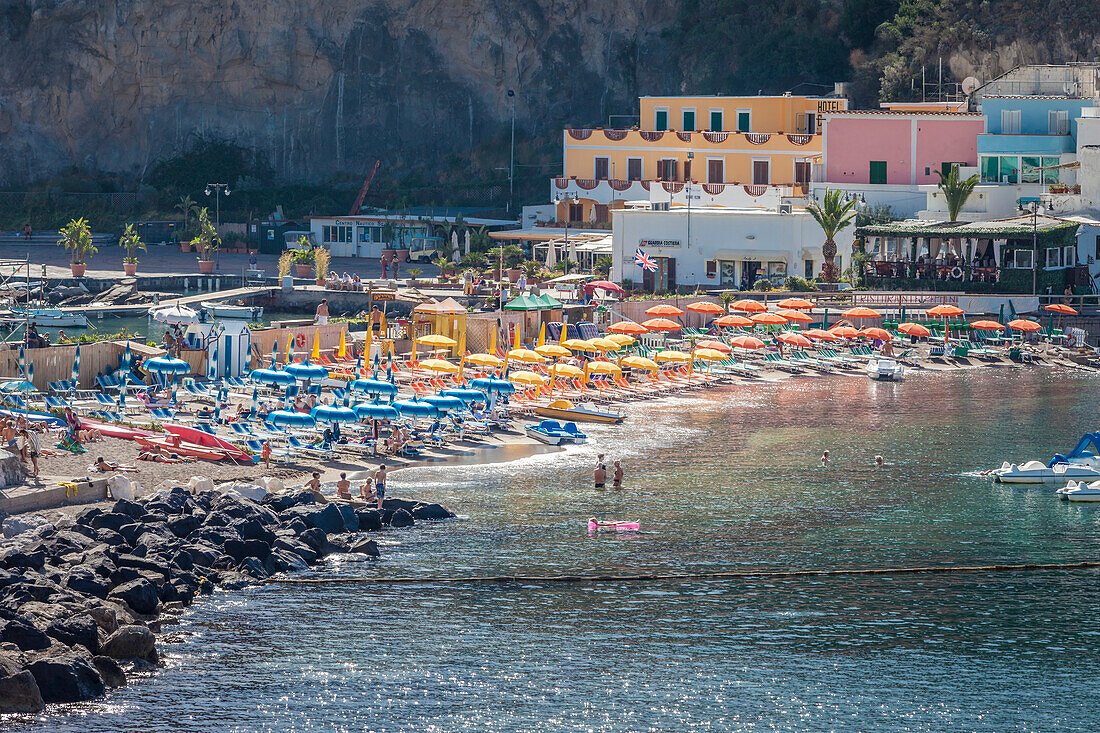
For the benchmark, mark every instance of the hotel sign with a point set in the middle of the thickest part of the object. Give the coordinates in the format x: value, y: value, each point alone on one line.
x: 665, y: 243
x: 832, y: 105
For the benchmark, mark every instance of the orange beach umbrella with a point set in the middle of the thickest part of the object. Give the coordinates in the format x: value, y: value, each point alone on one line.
x: 661, y: 324
x: 819, y: 335
x: 880, y: 334
x: 945, y: 310
x: 796, y: 316
x: 1022, y: 324
x: 794, y: 339
x: 987, y: 326
x: 747, y: 342
x: 1061, y: 308
x: 712, y: 344
x: 748, y: 305
x: 663, y: 310
x: 861, y: 312
x: 627, y: 327
x: 795, y: 303
x: 732, y: 321
x: 768, y: 319
x: 703, y: 307
x: 914, y: 329
x: 844, y: 332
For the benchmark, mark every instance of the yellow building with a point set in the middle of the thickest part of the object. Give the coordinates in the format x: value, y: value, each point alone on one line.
x: 738, y: 149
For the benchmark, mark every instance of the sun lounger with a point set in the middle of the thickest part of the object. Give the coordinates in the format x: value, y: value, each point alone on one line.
x: 801, y: 358
x: 778, y: 362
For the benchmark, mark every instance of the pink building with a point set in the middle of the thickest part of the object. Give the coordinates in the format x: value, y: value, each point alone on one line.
x: 898, y: 147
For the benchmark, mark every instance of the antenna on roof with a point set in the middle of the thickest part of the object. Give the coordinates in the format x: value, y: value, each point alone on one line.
x: 969, y: 84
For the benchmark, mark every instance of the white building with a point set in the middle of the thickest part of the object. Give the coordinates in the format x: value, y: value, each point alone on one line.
x: 366, y: 235
x: 720, y: 247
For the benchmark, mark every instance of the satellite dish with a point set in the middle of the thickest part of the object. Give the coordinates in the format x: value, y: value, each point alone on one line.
x: 969, y: 84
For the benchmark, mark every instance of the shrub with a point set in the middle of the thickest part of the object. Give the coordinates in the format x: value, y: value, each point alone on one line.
x: 798, y: 284
x: 762, y: 285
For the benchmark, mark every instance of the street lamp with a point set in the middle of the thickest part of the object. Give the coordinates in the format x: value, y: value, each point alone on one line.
x: 217, y: 188
x: 512, y: 155
x: 569, y: 198
x: 1033, y: 207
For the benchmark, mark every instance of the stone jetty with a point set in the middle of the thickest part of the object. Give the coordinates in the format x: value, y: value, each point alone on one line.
x: 82, y: 600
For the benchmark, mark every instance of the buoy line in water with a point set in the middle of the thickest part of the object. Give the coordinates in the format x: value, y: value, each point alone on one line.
x: 730, y: 575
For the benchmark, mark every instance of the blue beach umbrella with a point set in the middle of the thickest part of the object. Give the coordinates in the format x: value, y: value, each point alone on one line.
x: 212, y: 365
x: 166, y: 365
x: 444, y: 403
x: 22, y: 362
x: 409, y: 408
x: 16, y: 385
x: 466, y: 395
x: 376, y: 411
x: 30, y: 373
x: 333, y: 413
x: 306, y: 370
x: 254, y: 405
x: 76, y: 367
x: 288, y: 418
x: 372, y: 386
x: 493, y: 384
x: 273, y: 377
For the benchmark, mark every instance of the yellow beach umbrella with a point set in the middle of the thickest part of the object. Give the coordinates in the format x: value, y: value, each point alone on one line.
x: 316, y: 353
x: 553, y: 351
x: 289, y: 347
x: 542, y: 334
x: 604, y: 344
x: 577, y: 345
x: 602, y: 367
x: 673, y: 355
x: 566, y: 371
x: 342, y: 352
x: 439, y: 365
x: 529, y: 378
x: 709, y: 354
x: 640, y: 362
x: 493, y: 342
x: 485, y: 360
x: 437, y: 340
x: 525, y: 355
x: 621, y: 339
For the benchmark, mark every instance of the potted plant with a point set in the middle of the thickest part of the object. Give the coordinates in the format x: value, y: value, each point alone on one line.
x: 206, y: 242
x: 444, y: 265
x: 131, y: 242
x: 302, y: 257
x: 76, y: 238
x: 413, y: 274
x: 321, y: 259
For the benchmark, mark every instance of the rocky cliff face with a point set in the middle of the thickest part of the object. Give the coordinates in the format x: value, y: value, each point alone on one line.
x: 315, y: 87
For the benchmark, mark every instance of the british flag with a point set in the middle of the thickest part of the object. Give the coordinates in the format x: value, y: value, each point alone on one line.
x: 644, y: 261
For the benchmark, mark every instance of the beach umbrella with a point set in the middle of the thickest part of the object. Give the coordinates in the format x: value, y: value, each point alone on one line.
x: 914, y: 329
x: 768, y: 319
x: 528, y: 378
x: 290, y: 419
x: 167, y: 365
x: 16, y: 385
x: 794, y: 339
x: 604, y: 285
x: 174, y: 400
x: 879, y: 334
x: 212, y: 365
x: 333, y: 413
x: 621, y: 339
x: 861, y: 312
x: 300, y: 370
x: 526, y: 356
x: 376, y: 411
x: 626, y: 327
x: 553, y: 351
x: 672, y: 355
x: 603, y: 344
x: 342, y: 352
x: 372, y: 386
x: 820, y: 335
x: 705, y: 306
x: 732, y: 321
x: 415, y: 408
x: 661, y: 324
x: 76, y: 367
x: 846, y: 332
x: 795, y: 304
x: 577, y: 345
x: 254, y: 404
x: 437, y: 340
x: 602, y: 367
x: 466, y: 395
x: 289, y: 348
x: 271, y: 376
x: 746, y: 342
x: 748, y: 305
x: 315, y: 352
x: 176, y: 315
x: 987, y: 326
x: 22, y: 362
x: 663, y: 310
x: 122, y: 395
x: 709, y: 354
x: 944, y: 311
x: 443, y: 403
x: 1022, y: 324
x: 492, y: 384
x: 795, y: 316
x: 640, y: 362
x: 439, y: 365
x: 566, y: 371
x: 486, y: 360
x: 1061, y: 308
x: 713, y: 346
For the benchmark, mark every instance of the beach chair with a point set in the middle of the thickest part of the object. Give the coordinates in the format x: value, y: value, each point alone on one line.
x: 804, y: 359
x: 235, y: 383
x: 62, y: 387
x: 54, y: 402
x: 107, y: 383
x: 312, y: 450
x: 778, y: 362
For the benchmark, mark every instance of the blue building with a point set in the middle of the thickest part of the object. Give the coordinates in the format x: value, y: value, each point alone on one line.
x: 1027, y: 137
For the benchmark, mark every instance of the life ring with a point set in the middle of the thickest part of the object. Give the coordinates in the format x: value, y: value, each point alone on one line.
x: 300, y: 341
x: 956, y: 273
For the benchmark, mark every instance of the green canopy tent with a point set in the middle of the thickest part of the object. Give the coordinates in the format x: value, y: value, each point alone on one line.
x: 524, y: 303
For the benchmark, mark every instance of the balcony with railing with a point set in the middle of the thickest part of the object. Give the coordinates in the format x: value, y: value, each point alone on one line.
x: 732, y: 195
x: 704, y: 140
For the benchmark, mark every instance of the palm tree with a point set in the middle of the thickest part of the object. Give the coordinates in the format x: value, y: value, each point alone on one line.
x: 833, y: 214
x: 956, y: 192
x: 184, y: 206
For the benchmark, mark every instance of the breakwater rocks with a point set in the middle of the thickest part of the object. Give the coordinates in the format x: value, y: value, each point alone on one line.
x: 81, y: 601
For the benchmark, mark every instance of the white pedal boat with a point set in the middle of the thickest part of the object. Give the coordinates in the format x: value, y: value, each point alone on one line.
x: 1037, y: 472
x: 1080, y: 491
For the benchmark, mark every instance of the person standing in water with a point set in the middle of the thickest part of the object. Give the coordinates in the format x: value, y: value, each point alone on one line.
x: 380, y: 485
x: 825, y: 458
x: 617, y: 476
x: 600, y: 475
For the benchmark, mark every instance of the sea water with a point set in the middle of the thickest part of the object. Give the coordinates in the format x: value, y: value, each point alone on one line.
x: 725, y: 480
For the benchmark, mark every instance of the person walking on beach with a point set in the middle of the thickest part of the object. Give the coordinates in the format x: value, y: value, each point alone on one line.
x: 380, y: 485
x: 322, y: 312
x: 825, y: 458
x: 31, y: 449
x: 617, y: 476
x: 313, y: 486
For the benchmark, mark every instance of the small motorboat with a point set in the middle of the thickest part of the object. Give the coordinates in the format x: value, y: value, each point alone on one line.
x: 233, y: 312
x: 566, y: 410
x: 554, y: 433
x: 885, y: 370
x: 1081, y: 463
x: 51, y: 317
x: 1080, y: 491
x: 595, y: 525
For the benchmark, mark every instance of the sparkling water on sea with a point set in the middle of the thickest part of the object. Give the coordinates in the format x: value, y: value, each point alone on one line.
x: 724, y: 480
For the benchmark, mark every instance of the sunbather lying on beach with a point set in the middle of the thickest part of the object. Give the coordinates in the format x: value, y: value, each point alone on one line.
x: 104, y: 466
x: 157, y: 454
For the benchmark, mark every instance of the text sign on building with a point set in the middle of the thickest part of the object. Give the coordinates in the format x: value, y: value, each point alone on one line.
x: 832, y: 105
x: 666, y: 243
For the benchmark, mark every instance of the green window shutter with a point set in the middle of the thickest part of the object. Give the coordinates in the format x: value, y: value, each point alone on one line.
x: 743, y: 124
x: 878, y: 171
x: 661, y: 120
